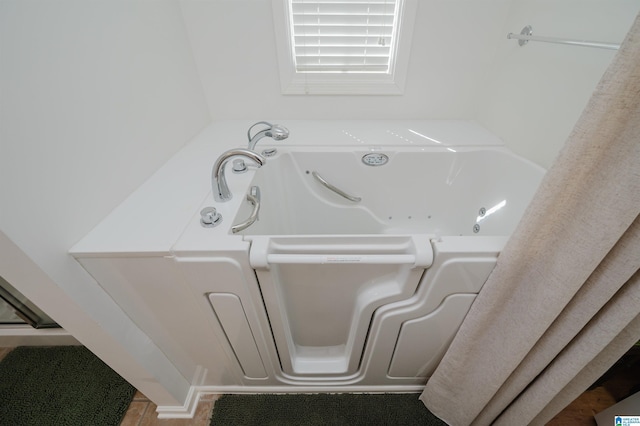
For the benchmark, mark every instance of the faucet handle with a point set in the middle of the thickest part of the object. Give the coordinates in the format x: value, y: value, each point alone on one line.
x: 209, y: 217
x: 239, y: 166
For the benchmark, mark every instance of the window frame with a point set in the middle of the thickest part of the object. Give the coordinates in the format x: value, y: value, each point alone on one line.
x: 313, y: 83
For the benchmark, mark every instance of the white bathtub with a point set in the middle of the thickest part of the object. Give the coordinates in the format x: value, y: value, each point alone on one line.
x: 473, y: 191
x: 321, y: 293
x: 334, y: 269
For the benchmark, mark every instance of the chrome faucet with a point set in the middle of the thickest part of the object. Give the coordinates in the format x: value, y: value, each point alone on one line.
x: 274, y: 131
x: 219, y: 181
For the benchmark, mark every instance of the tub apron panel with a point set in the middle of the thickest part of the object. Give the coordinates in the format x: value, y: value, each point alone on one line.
x: 320, y: 293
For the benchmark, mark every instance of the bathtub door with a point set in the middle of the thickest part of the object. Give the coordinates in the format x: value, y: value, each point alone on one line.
x: 321, y: 292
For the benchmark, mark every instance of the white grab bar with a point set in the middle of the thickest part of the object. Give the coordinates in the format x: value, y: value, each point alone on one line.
x: 342, y: 259
x: 413, y: 250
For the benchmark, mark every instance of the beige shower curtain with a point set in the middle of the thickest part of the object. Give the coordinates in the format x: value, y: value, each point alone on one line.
x: 563, y: 302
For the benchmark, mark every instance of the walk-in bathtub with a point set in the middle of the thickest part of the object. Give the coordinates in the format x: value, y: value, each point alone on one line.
x: 344, y: 238
x: 371, y: 243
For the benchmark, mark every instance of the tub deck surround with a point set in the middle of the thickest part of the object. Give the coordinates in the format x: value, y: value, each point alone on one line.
x: 322, y: 293
x: 153, y: 217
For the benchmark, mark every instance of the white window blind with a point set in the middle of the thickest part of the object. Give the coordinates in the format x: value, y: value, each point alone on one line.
x: 332, y: 36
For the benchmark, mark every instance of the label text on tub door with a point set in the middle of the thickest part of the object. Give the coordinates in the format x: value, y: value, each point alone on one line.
x: 343, y: 259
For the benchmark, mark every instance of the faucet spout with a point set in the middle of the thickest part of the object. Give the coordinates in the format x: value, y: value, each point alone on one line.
x: 219, y: 185
x: 274, y: 131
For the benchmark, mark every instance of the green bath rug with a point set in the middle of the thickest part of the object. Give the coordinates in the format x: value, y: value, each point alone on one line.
x: 322, y: 410
x: 61, y: 385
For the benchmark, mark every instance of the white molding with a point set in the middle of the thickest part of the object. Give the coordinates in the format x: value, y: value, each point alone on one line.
x: 188, y: 409
x: 25, y: 335
x: 185, y: 411
x: 292, y: 83
x: 310, y: 389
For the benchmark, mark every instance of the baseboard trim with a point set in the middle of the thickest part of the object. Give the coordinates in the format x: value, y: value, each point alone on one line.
x: 310, y: 389
x: 187, y: 410
x: 25, y: 335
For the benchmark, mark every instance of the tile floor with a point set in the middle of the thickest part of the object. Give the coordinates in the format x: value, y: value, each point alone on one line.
x: 613, y: 387
x: 4, y: 352
x: 142, y: 412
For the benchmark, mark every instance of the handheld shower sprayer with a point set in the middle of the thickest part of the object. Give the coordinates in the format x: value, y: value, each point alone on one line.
x: 273, y: 131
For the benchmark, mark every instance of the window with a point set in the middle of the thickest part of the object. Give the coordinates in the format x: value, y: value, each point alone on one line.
x: 343, y: 47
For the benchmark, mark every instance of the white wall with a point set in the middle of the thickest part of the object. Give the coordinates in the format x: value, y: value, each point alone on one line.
x: 537, y: 92
x: 461, y: 67
x: 95, y: 97
x: 453, y: 48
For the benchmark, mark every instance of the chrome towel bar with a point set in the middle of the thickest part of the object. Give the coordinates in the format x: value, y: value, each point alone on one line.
x: 526, y: 35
